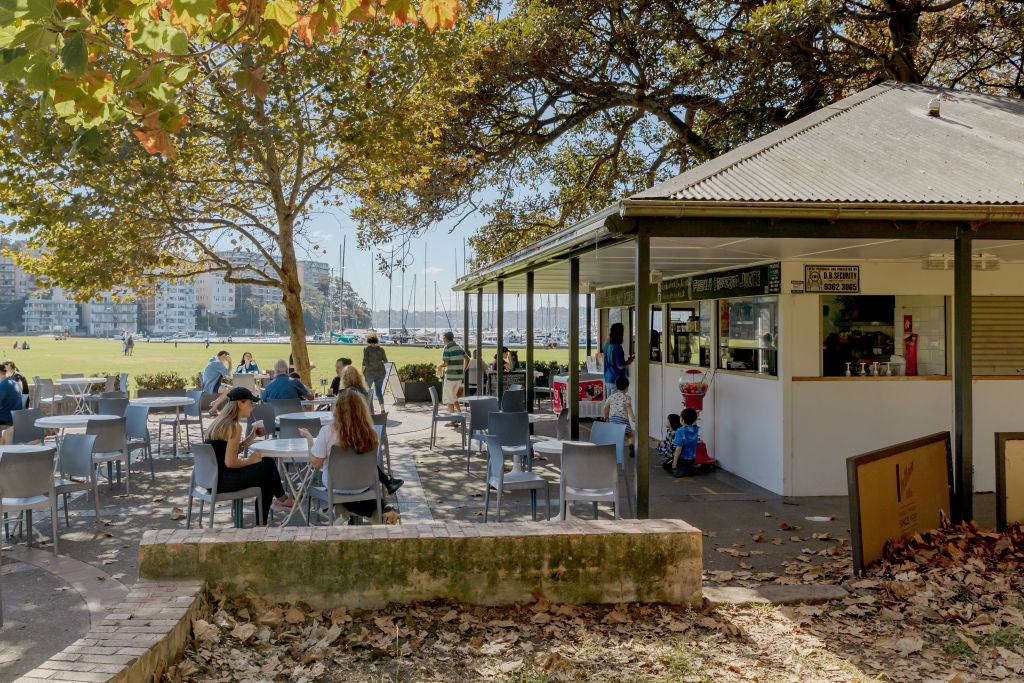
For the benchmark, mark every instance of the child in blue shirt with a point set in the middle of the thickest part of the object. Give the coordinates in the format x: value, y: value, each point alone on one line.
x: 686, y: 444
x: 666, y: 447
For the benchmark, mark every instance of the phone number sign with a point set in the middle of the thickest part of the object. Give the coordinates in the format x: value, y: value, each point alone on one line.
x: 832, y: 279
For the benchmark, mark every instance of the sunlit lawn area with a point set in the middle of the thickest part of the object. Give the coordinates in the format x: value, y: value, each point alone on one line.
x: 47, y: 357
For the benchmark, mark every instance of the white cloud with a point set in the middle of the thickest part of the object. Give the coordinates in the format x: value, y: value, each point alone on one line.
x: 433, y: 270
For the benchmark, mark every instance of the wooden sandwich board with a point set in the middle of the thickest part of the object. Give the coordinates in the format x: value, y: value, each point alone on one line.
x: 897, y: 492
x: 393, y: 384
x: 1009, y: 478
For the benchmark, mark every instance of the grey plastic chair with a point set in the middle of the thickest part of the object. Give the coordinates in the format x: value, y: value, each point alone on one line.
x: 46, y: 395
x: 544, y: 390
x: 513, y: 433
x: 26, y: 484
x: 478, y: 411
x: 381, y: 420
x: 283, y: 406
x: 437, y: 416
x: 193, y: 414
x: 502, y: 481
x: 609, y: 433
x: 204, y: 487
x: 25, y: 430
x: 262, y: 411
x: 111, y: 447
x: 290, y: 426
x: 75, y: 465
x: 122, y: 384
x: 245, y: 379
x: 136, y: 430
x: 111, y: 406
x: 562, y: 431
x: 348, y: 477
x: 589, y: 474
x: 513, y: 401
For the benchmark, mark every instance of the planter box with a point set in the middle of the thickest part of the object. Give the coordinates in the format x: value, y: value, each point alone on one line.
x: 416, y: 392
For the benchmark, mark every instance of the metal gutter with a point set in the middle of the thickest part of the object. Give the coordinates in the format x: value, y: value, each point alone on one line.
x: 945, y: 213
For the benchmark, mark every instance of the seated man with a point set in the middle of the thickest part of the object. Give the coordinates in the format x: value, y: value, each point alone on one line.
x: 10, y: 400
x: 213, y: 375
x: 283, y: 386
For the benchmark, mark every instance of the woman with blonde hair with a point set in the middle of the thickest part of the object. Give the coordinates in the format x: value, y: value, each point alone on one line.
x: 352, y: 379
x: 235, y: 473
x: 351, y: 429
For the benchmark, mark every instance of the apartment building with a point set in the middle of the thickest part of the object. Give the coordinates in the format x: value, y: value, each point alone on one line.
x: 106, y: 317
x: 172, y: 309
x: 52, y: 314
x: 214, y: 294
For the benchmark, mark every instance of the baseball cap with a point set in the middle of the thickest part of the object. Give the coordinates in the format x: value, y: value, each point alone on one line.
x: 241, y: 394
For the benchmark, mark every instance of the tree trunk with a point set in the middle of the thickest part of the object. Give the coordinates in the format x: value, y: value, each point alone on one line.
x: 291, y: 291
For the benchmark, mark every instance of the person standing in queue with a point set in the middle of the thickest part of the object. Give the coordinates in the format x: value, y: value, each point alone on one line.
x: 616, y: 364
x: 235, y: 473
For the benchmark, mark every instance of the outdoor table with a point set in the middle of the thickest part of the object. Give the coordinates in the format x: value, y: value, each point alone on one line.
x: 75, y: 387
x: 289, y: 449
x: 176, y: 402
x: 469, y: 399
x: 325, y: 418
x: 553, y: 447
x: 320, y: 401
x: 62, y: 422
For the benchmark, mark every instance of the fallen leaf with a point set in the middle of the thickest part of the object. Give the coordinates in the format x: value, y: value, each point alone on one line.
x: 177, y: 513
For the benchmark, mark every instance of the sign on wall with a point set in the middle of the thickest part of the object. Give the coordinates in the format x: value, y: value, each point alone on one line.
x: 724, y: 284
x: 1009, y: 478
x: 897, y: 492
x: 832, y: 279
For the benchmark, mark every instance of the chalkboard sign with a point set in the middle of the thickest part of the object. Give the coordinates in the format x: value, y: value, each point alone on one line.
x: 724, y: 284
x: 393, y: 384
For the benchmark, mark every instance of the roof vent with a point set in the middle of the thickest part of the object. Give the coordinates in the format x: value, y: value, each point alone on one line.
x: 933, y: 107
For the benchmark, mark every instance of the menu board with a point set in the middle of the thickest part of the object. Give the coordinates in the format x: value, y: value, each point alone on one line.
x: 897, y: 492
x: 724, y: 284
x: 1009, y: 478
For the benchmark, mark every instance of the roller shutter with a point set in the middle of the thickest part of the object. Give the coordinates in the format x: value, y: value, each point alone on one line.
x: 998, y: 335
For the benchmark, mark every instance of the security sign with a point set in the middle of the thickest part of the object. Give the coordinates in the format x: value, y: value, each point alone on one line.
x: 832, y: 279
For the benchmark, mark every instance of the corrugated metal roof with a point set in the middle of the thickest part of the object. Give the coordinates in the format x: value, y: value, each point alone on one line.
x: 878, y: 146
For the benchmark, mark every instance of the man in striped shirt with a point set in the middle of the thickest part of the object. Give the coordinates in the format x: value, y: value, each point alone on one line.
x: 454, y: 362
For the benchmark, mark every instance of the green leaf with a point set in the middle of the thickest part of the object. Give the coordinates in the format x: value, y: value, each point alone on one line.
x: 197, y: 9
x: 35, y: 37
x: 160, y: 37
x: 39, y: 9
x: 284, y: 12
x: 39, y: 76
x: 75, y: 55
x: 180, y: 76
x: 13, y: 64
x: 88, y: 141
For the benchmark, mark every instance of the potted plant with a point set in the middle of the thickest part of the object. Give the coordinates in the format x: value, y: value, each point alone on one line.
x: 416, y: 379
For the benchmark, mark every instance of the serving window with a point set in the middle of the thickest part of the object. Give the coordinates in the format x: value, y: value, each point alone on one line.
x: 865, y: 335
x: 749, y: 334
x: 689, y: 333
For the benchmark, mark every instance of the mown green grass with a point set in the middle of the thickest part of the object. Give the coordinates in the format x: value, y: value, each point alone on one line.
x: 47, y: 357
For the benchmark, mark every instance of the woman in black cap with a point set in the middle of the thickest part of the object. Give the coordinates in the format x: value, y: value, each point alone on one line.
x: 233, y: 472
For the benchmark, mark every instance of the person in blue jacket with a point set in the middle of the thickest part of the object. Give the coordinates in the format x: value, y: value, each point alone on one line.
x: 685, y: 457
x: 616, y: 364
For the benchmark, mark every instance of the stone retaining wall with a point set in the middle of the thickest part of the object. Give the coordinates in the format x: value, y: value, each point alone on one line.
x: 578, y: 561
x: 147, y: 634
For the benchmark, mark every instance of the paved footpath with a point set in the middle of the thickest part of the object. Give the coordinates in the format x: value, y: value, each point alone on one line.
x: 48, y: 602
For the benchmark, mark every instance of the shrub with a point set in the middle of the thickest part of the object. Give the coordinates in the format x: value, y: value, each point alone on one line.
x: 160, y: 380
x: 418, y: 372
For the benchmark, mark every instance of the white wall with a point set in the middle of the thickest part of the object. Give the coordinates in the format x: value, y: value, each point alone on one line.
x: 998, y: 407
x: 834, y: 420
x: 748, y: 432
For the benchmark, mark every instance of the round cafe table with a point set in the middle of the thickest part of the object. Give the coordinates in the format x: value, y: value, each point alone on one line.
x: 176, y: 402
x: 296, y: 450
x: 325, y: 418
x: 76, y: 388
x: 320, y: 401
x: 62, y: 422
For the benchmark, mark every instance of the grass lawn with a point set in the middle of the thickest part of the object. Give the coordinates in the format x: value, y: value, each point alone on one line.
x: 96, y: 357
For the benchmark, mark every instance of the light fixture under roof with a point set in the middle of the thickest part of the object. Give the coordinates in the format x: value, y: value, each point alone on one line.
x: 986, y: 262
x: 587, y: 288
x: 656, y: 277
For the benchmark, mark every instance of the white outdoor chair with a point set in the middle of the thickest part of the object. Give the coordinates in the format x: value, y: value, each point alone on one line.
x: 283, y: 406
x: 203, y: 486
x: 347, y: 477
x: 513, y: 401
x: 589, y: 474
x: 111, y: 447
x: 437, y: 416
x: 76, y: 471
x: 290, y: 426
x: 610, y: 433
x: 46, y: 395
x: 26, y: 484
x: 245, y: 379
x: 380, y: 420
x: 513, y: 433
x: 502, y: 481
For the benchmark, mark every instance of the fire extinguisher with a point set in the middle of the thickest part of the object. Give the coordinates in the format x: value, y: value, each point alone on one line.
x: 910, y: 345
